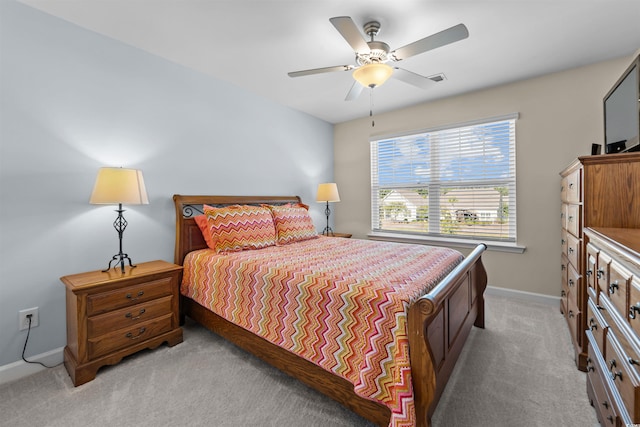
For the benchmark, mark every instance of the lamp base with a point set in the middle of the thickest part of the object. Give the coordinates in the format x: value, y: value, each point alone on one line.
x: 119, y: 259
x: 328, y: 231
x: 119, y: 224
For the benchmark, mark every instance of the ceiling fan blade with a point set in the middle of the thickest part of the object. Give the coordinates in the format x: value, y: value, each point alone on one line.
x: 444, y: 37
x: 321, y: 70
x: 348, y: 29
x: 354, y: 92
x: 413, y: 79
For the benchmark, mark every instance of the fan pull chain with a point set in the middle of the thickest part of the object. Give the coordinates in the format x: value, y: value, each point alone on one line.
x: 373, y: 123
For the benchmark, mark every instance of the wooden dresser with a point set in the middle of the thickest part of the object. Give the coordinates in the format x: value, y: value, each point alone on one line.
x: 113, y: 314
x: 613, y: 319
x: 596, y: 191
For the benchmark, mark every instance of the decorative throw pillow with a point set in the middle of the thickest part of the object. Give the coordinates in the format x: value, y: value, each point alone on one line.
x: 239, y: 227
x: 293, y: 223
x: 203, y: 225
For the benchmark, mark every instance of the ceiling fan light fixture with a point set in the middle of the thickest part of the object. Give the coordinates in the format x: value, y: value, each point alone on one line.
x: 373, y: 75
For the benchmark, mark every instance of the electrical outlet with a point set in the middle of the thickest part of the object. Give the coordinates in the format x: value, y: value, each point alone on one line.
x: 23, y: 320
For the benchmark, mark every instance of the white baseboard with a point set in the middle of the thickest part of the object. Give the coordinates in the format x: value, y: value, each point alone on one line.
x: 522, y: 295
x: 20, y: 369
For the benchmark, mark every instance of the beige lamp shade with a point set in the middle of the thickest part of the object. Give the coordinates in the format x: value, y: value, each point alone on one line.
x: 373, y: 75
x: 119, y: 185
x: 328, y: 192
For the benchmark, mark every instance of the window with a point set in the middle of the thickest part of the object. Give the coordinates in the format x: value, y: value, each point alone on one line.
x: 455, y: 182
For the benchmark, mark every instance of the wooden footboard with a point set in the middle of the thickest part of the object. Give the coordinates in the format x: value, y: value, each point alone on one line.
x: 439, y: 323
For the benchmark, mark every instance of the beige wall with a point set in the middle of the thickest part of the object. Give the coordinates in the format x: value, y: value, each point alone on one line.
x: 560, y: 117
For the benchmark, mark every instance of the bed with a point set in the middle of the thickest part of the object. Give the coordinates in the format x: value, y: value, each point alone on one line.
x: 430, y: 332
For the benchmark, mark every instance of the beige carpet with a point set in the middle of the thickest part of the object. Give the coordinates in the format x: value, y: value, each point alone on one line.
x: 519, y: 371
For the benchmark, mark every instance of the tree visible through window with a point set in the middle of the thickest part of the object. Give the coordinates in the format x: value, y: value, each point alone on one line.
x: 456, y: 182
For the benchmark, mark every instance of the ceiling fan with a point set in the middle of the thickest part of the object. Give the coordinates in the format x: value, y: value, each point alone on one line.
x: 372, y: 57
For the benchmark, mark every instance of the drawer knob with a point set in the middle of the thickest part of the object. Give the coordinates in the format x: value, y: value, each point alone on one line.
x: 633, y: 310
x: 130, y: 316
x: 615, y: 375
x: 135, y: 337
x: 613, y: 286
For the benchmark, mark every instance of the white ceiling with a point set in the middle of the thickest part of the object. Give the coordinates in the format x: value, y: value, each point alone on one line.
x: 254, y: 43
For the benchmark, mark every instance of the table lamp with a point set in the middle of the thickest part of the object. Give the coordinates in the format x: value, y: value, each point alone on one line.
x: 119, y: 186
x: 327, y: 192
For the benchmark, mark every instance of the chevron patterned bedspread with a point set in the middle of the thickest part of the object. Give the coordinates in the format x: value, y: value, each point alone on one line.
x: 339, y: 303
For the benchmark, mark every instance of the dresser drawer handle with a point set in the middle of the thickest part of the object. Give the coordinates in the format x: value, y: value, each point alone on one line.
x: 130, y: 297
x: 592, y: 324
x: 130, y: 316
x: 610, y: 418
x: 616, y: 374
x: 571, y: 282
x: 140, y: 332
x: 613, y: 286
x: 601, y: 308
x: 605, y: 404
x: 570, y: 218
x: 571, y: 185
x: 633, y: 361
x: 589, y: 273
x: 600, y: 273
x: 563, y: 293
x: 571, y: 315
x: 563, y: 267
x: 563, y: 242
x: 633, y: 310
x: 570, y: 250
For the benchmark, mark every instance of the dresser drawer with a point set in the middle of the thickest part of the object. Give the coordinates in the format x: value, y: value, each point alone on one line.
x: 571, y: 191
x: 624, y: 376
x: 619, y: 281
x: 574, y: 318
x: 573, y: 249
x: 126, y: 337
x: 597, y: 325
x: 573, y: 219
x: 128, y: 316
x: 602, y: 274
x: 634, y: 304
x: 128, y: 296
x: 603, y: 403
x: 592, y: 266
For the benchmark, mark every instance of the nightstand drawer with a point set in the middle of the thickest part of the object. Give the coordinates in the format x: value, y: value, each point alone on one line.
x: 128, y: 316
x: 128, y: 296
x: 126, y: 337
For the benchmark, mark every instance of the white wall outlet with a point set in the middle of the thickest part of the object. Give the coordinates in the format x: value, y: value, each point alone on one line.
x: 23, y: 320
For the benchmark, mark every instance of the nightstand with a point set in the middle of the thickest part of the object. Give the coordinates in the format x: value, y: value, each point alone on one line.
x: 112, y: 314
x: 345, y: 235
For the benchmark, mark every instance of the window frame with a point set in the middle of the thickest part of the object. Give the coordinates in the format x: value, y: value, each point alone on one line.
x: 508, y: 243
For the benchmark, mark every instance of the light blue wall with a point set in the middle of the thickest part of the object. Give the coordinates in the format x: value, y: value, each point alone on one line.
x: 72, y: 101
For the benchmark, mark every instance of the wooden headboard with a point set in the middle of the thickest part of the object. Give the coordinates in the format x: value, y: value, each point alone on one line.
x: 188, y: 235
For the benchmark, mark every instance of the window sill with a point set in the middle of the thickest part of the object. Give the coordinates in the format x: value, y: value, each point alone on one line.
x: 443, y: 241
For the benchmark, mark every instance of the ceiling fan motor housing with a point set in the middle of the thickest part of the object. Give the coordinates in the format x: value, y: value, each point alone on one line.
x: 379, y: 53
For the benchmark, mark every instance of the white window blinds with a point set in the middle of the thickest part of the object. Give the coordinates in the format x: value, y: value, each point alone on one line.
x: 457, y: 182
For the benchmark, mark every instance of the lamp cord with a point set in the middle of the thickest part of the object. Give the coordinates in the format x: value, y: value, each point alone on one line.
x: 25, y: 349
